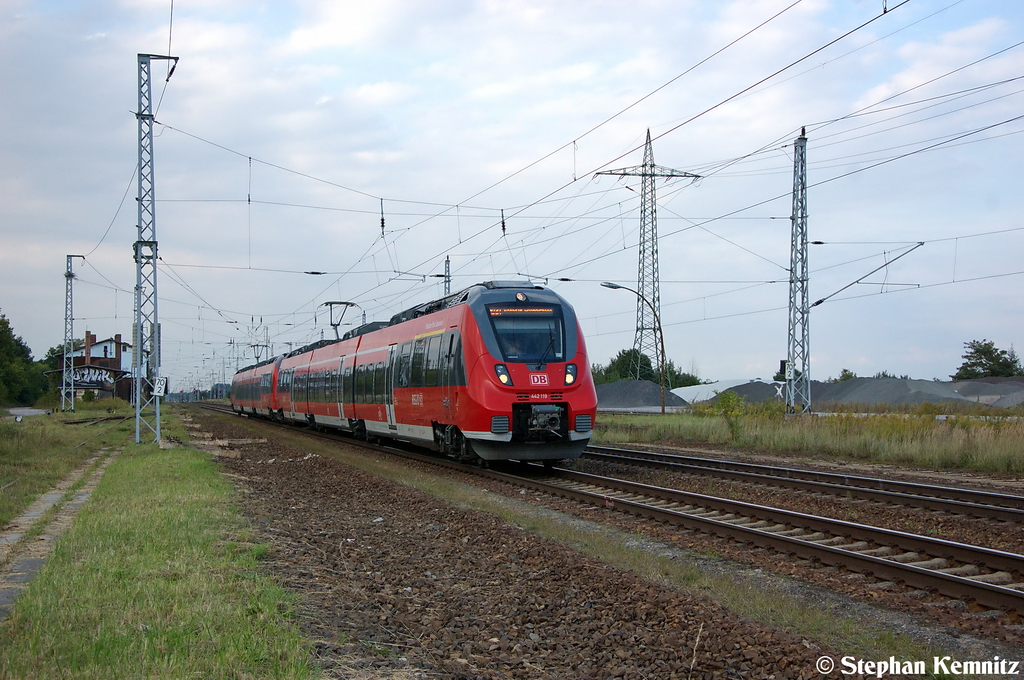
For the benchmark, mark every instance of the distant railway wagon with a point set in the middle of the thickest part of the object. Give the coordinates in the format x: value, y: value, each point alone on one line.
x: 253, y: 389
x: 498, y: 371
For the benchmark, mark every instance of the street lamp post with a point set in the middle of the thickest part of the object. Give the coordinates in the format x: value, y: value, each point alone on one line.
x: 661, y: 334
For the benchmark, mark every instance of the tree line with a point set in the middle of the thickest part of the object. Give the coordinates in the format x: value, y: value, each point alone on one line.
x: 23, y: 381
x: 622, y: 368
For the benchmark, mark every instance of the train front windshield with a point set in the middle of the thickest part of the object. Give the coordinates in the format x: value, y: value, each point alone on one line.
x: 533, y: 334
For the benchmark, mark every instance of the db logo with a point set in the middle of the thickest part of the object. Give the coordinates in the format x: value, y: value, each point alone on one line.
x: 538, y: 378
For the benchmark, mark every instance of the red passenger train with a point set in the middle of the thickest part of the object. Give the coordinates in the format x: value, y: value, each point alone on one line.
x: 498, y: 371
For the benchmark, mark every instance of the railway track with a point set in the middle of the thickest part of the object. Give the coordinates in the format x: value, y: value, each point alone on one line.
x: 993, y: 579
x: 975, y: 503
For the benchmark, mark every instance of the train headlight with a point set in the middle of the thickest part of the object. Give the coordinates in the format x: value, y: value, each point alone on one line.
x: 501, y: 370
x: 570, y: 374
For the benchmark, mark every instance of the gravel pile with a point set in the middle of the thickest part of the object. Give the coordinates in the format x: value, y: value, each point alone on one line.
x: 634, y: 394
x: 394, y: 583
x: 1000, y: 392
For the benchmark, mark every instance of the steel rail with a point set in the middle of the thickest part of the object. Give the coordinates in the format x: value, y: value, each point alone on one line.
x: 986, y: 594
x: 985, y: 504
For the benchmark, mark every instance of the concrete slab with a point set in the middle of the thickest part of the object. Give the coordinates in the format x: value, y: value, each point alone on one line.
x: 22, y: 577
x: 28, y: 564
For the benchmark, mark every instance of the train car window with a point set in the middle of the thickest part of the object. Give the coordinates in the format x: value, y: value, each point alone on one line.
x: 378, y: 383
x: 418, y: 350
x: 405, y: 365
x: 452, y: 364
x: 433, y: 361
x: 346, y: 385
x: 361, y: 384
x: 368, y: 383
x: 458, y: 363
x: 529, y: 333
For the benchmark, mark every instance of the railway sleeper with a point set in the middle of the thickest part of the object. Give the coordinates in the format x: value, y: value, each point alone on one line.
x: 833, y: 541
x: 906, y: 557
x: 798, y: 532
x: 996, y: 578
x: 755, y: 524
x: 700, y: 512
x: 884, y: 551
x: 853, y: 547
x: 962, y: 570
x: 936, y: 563
x: 775, y: 529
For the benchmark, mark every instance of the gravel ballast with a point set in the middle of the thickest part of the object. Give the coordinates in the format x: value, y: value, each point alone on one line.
x: 397, y: 583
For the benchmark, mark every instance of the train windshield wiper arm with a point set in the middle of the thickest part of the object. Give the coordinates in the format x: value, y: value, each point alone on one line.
x: 551, y: 346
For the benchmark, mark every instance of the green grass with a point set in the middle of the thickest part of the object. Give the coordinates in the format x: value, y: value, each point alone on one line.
x: 155, y: 579
x: 41, y: 450
x: 994, y: 445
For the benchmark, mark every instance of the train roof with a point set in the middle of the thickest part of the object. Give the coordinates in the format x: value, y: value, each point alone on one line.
x: 366, y: 328
x: 411, y: 313
x: 458, y: 298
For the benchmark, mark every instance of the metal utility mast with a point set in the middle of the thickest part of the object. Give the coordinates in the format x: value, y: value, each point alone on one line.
x: 648, y: 277
x: 67, y: 390
x: 798, y: 362
x: 147, y: 385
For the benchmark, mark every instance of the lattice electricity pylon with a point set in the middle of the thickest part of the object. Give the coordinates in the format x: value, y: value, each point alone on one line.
x: 648, y: 278
x: 67, y: 388
x: 798, y: 363
x: 147, y: 386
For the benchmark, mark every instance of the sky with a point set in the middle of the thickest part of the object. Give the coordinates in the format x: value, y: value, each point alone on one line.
x: 288, y: 129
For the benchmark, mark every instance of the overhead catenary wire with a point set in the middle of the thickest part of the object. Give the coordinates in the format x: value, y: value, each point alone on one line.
x: 536, y: 237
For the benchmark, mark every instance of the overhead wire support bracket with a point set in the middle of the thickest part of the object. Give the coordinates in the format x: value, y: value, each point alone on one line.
x: 883, y: 266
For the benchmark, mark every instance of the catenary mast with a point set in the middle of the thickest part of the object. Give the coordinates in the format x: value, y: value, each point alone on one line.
x: 147, y: 386
x: 798, y: 360
x: 67, y: 390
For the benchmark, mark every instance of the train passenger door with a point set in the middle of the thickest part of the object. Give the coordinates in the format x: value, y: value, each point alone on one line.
x: 449, y: 375
x: 389, y: 385
x: 339, y: 382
